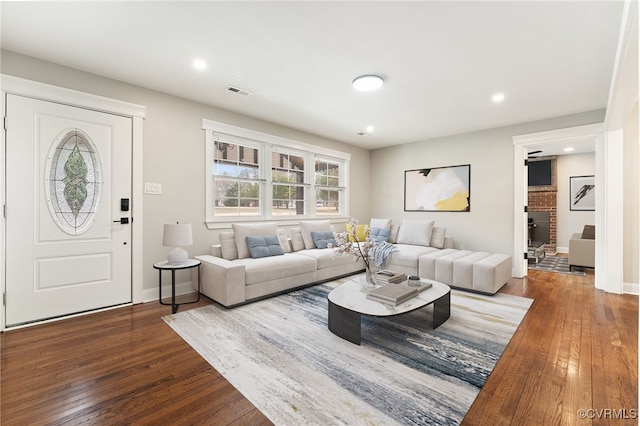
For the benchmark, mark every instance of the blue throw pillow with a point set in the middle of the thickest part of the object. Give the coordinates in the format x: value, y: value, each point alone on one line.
x: 323, y: 239
x: 379, y: 234
x: 268, y: 245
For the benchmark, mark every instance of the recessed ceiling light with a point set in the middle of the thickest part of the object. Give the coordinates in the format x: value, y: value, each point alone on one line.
x: 368, y: 83
x: 370, y: 129
x: 199, y: 64
x: 568, y: 149
x: 498, y: 97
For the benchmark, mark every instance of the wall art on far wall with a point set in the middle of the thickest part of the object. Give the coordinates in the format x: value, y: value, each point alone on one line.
x: 582, y: 193
x: 442, y: 189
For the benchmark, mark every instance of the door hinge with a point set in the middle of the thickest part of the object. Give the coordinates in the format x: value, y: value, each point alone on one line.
x: 526, y: 162
x: 4, y: 299
x: 6, y: 120
x: 4, y: 211
x: 526, y: 256
x: 526, y: 209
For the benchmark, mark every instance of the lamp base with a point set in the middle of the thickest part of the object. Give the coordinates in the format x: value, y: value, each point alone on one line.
x: 177, y: 255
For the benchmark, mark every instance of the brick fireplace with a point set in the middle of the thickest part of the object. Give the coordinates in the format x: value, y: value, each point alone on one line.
x: 544, y: 199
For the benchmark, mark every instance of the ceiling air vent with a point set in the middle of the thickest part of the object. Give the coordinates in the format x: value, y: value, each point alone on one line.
x: 239, y: 91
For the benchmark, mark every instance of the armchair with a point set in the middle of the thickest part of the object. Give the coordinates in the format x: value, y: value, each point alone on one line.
x: 582, y: 248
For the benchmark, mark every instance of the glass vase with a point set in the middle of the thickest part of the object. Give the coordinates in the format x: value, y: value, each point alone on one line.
x: 369, y: 278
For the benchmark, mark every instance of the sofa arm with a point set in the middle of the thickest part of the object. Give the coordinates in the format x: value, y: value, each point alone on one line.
x: 216, y: 250
x: 222, y: 280
x: 582, y: 252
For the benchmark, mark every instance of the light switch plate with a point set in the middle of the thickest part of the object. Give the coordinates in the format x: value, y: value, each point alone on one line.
x: 152, y: 188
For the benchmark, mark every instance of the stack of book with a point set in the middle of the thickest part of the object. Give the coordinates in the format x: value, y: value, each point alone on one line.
x: 396, y: 294
x: 390, y: 277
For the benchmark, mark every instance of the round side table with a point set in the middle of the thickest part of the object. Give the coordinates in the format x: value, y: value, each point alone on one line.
x: 173, y: 267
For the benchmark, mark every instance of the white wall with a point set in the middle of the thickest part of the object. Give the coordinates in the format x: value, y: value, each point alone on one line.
x: 570, y: 222
x: 489, y: 224
x: 631, y: 212
x: 174, y: 154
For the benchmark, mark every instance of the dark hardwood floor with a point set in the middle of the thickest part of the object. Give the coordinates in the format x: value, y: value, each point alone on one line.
x: 577, y: 348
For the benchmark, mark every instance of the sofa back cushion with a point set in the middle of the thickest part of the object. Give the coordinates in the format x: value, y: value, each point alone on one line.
x: 312, y: 225
x: 589, y: 232
x: 264, y: 246
x: 416, y: 232
x: 243, y: 230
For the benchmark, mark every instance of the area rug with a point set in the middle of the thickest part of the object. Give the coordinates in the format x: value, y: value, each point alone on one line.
x: 557, y: 264
x: 281, y: 356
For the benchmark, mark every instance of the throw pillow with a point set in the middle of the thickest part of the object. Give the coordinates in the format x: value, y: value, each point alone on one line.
x: 284, y: 241
x: 379, y: 235
x: 393, y: 234
x: 322, y: 239
x: 361, y: 234
x: 437, y: 237
x: 265, y: 246
x: 243, y: 230
x: 416, y: 232
x: 313, y: 225
x: 297, y: 243
x: 228, y: 246
x: 589, y: 232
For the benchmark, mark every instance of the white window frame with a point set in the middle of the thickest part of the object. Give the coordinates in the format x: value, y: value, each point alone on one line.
x: 267, y: 144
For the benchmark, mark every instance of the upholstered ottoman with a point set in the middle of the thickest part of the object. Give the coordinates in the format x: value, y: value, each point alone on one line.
x: 444, y: 265
x: 427, y: 263
x: 491, y: 273
x: 463, y: 269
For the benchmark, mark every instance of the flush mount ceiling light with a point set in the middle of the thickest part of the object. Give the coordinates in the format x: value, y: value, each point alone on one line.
x: 498, y: 97
x: 199, y: 64
x: 368, y: 83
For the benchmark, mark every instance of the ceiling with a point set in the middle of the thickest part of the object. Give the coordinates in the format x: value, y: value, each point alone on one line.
x: 442, y: 61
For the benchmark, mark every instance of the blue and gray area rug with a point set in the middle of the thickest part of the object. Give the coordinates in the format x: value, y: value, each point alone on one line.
x: 280, y: 354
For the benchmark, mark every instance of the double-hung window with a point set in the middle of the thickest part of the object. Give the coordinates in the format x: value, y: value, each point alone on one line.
x: 255, y: 176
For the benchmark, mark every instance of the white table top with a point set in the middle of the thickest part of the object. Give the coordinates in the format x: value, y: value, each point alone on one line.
x: 189, y: 263
x: 352, y: 296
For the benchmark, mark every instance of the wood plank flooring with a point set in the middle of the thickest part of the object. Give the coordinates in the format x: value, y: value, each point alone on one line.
x: 577, y: 348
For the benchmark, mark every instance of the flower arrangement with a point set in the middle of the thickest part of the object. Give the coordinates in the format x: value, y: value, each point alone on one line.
x: 348, y: 245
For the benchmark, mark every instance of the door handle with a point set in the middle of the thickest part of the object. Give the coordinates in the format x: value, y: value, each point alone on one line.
x: 122, y: 220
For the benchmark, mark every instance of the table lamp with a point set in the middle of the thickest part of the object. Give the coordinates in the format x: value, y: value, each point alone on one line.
x: 176, y: 236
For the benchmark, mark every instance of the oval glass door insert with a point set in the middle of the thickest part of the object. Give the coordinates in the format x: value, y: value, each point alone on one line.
x: 74, y: 181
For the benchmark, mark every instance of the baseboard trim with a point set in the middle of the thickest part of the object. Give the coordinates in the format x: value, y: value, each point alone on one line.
x: 630, y: 288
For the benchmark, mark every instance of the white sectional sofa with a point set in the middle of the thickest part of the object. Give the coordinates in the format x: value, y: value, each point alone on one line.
x: 259, y: 260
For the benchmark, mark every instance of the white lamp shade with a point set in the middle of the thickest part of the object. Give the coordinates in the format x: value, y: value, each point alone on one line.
x: 177, y: 235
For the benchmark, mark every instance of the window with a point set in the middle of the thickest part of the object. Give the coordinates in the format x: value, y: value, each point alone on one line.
x: 255, y: 176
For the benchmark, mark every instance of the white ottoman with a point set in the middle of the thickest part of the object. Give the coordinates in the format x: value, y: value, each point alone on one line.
x: 427, y: 263
x: 491, y: 273
x: 463, y: 269
x: 444, y: 266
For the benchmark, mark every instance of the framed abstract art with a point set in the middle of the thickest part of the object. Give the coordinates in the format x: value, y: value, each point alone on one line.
x: 582, y: 193
x: 438, y: 189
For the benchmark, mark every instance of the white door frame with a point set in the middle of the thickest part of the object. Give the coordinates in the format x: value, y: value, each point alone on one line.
x: 46, y: 92
x: 608, y: 178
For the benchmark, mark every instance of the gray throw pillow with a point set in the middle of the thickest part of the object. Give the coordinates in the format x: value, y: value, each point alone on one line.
x: 264, y: 246
x: 322, y: 239
x: 379, y: 235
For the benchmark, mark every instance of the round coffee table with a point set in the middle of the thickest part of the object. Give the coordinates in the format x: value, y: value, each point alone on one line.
x: 348, y: 302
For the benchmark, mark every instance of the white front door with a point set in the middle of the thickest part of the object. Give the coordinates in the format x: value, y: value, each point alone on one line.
x: 67, y: 171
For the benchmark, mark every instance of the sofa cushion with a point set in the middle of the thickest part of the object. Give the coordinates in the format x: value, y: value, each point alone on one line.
x: 322, y: 239
x: 416, y: 232
x: 297, y: 243
x: 284, y: 241
x: 312, y: 225
x: 228, y: 245
x: 326, y: 259
x: 379, y: 234
x: 407, y: 255
x: 264, y: 246
x: 361, y: 233
x: 243, y: 230
x: 393, y: 234
x: 380, y: 223
x: 276, y: 267
x: 437, y: 237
